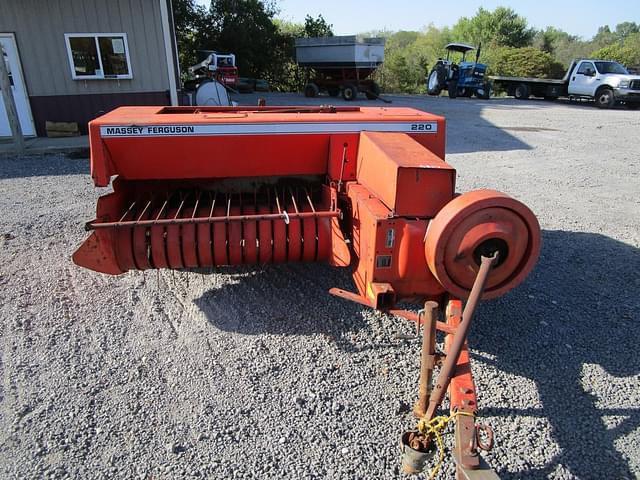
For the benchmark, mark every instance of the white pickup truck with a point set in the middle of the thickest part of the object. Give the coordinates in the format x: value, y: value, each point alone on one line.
x: 607, y: 83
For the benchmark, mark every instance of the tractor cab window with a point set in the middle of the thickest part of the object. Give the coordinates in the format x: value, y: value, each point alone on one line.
x: 587, y: 69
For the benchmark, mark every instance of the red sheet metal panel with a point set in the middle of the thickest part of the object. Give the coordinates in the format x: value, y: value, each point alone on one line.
x: 143, y: 143
x: 410, y: 179
x: 389, y: 250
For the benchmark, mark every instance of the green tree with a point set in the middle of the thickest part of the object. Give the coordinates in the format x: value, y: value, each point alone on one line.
x: 502, y: 27
x: 523, y: 62
x: 317, y: 27
x: 627, y: 52
x: 625, y: 29
x: 187, y: 15
x: 246, y: 29
x: 287, y: 74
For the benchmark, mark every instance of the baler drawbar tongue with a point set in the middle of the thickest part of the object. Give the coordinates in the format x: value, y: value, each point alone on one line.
x: 365, y: 188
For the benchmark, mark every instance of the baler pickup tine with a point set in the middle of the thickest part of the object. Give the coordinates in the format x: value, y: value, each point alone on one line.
x: 162, y: 209
x: 213, y: 203
x: 124, y: 215
x: 278, y: 201
x: 195, y: 206
x: 293, y: 200
x: 306, y: 192
x: 182, y: 200
x: 144, y: 210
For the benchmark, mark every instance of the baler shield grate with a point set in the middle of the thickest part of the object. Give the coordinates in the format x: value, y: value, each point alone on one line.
x: 191, y: 228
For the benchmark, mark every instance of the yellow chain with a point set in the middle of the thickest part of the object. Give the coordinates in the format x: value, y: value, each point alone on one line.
x: 435, y: 427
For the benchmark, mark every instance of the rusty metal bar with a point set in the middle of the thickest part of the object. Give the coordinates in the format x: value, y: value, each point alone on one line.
x: 462, y: 389
x: 413, y: 317
x: 344, y: 160
x: 232, y: 218
x: 483, y: 472
x: 460, y: 337
x: 462, y: 397
x: 428, y: 359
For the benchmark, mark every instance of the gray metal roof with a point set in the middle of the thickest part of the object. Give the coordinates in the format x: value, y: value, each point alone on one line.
x: 337, y: 40
x: 460, y: 47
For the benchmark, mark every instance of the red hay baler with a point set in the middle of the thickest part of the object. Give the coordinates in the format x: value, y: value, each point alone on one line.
x: 366, y: 188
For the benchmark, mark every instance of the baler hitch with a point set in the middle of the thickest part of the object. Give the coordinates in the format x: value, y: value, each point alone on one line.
x: 455, y: 376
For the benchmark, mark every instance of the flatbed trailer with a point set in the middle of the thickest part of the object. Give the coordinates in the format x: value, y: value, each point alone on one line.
x: 605, y: 82
x: 523, y: 87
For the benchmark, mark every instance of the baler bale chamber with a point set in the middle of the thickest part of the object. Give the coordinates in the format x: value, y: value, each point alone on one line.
x: 362, y: 188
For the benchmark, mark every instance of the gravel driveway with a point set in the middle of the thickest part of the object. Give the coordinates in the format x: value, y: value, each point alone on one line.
x: 259, y: 373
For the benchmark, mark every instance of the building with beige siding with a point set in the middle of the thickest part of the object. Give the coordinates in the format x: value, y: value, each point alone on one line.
x: 72, y: 60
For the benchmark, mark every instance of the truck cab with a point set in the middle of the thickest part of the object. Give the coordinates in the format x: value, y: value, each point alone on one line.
x: 605, y: 81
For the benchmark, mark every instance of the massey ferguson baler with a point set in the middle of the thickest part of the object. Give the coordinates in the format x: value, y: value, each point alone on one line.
x: 365, y: 188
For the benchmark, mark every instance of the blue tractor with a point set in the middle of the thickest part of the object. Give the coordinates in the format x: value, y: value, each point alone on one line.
x: 462, y: 79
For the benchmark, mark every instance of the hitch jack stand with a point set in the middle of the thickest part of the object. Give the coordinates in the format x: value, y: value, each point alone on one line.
x: 456, y: 377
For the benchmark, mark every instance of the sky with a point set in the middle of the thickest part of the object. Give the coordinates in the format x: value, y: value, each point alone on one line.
x: 577, y: 17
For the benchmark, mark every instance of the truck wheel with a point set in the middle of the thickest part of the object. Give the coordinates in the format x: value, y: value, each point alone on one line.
x: 604, y: 98
x: 311, y: 90
x: 435, y: 82
x: 453, y: 89
x: 521, y: 92
x: 349, y: 92
x: 333, y: 91
x: 374, y: 92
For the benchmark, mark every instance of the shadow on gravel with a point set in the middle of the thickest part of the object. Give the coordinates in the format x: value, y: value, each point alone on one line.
x: 289, y: 299
x: 577, y: 313
x: 42, y: 166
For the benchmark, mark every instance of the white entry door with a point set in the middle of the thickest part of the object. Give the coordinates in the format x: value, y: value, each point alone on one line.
x: 11, y: 59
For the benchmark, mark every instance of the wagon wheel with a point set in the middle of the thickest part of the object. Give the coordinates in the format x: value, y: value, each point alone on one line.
x: 349, y: 92
x: 374, y: 92
x: 311, y: 90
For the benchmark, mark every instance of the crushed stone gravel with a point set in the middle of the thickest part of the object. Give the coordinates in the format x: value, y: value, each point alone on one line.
x: 259, y: 373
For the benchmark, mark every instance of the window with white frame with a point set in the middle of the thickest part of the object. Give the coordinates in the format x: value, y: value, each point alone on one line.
x: 98, y: 56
